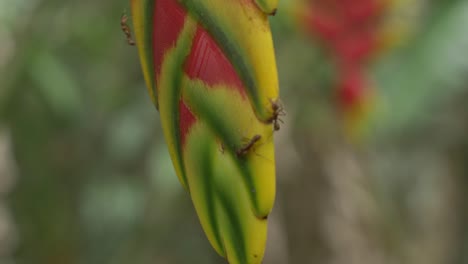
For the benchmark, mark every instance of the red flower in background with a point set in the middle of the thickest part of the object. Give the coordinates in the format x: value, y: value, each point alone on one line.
x: 349, y: 30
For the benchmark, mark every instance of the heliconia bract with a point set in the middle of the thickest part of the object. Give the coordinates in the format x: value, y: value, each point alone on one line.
x: 210, y: 69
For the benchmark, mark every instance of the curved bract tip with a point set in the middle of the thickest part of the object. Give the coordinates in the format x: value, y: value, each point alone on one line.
x: 268, y: 6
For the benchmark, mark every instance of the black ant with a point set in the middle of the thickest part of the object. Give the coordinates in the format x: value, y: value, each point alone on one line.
x: 245, y: 149
x: 126, y: 29
x: 278, y: 111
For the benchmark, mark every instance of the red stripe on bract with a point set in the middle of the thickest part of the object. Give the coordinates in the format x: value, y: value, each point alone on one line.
x: 186, y: 121
x: 208, y: 63
x: 169, y: 18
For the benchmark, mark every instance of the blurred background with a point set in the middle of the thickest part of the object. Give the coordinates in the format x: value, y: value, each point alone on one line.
x: 372, y: 158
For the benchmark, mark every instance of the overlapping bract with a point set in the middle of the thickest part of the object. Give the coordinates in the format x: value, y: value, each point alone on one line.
x: 210, y: 69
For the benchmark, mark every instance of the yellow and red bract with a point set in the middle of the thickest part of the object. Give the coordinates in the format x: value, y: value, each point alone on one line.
x: 210, y: 69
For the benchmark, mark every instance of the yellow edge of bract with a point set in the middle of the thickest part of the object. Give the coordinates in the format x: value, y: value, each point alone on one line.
x: 139, y: 25
x: 261, y: 164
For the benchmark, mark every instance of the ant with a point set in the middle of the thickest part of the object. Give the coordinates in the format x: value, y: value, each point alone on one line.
x: 278, y: 111
x: 126, y: 29
x: 245, y: 149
